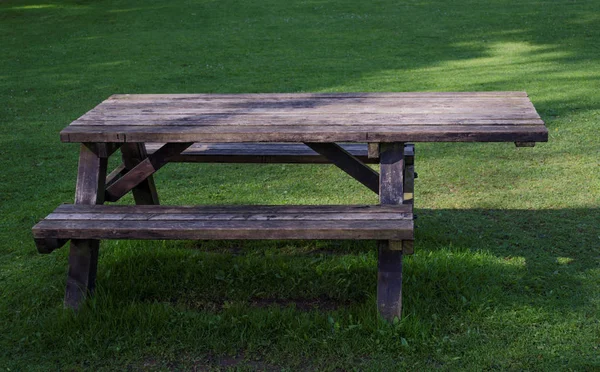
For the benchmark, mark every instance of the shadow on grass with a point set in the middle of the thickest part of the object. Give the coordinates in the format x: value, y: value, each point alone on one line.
x: 466, y: 260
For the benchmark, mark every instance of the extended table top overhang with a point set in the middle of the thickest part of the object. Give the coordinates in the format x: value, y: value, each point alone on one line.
x: 292, y: 117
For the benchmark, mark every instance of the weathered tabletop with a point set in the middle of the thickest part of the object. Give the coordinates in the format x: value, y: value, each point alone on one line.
x: 337, y: 117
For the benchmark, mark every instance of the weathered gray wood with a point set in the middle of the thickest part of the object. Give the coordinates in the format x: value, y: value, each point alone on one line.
x: 389, y: 282
x: 243, y: 210
x: 156, y: 132
x: 408, y: 247
x: 373, y: 150
x: 281, y: 222
x: 83, y: 254
x: 362, y: 117
x: 91, y: 177
x: 117, y: 173
x: 409, y: 184
x: 145, y: 192
x: 232, y: 216
x: 212, y: 96
x: 391, y: 173
x: 218, y: 121
x: 409, y: 154
x: 389, y: 267
x: 142, y: 171
x: 273, y: 152
x: 348, y: 163
x: 409, y: 176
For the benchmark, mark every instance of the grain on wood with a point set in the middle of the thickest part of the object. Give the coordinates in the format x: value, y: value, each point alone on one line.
x: 273, y: 152
x: 326, y: 133
x: 373, y: 150
x: 83, y: 254
x: 144, y: 193
x: 248, y: 209
x: 242, y: 222
x: 355, y: 117
x: 389, y: 266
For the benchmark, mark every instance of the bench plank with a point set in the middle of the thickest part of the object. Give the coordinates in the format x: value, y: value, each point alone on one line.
x: 260, y: 153
x: 248, y: 209
x: 233, y: 222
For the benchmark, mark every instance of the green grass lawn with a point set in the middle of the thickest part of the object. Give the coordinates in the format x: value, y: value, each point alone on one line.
x: 506, y: 274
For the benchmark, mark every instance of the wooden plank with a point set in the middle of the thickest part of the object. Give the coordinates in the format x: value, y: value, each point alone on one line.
x: 389, y: 282
x: 228, y: 230
x: 366, y: 133
x: 373, y: 150
x: 309, y: 120
x: 91, y: 177
x: 389, y: 261
x: 409, y: 154
x: 249, y: 109
x: 260, y: 153
x: 348, y: 163
x: 409, y: 184
x: 172, y: 112
x: 409, y: 174
x: 266, y: 102
x: 143, y: 170
x: 144, y: 192
x: 117, y: 173
x: 203, y: 216
x: 227, y: 222
x: 391, y: 173
x: 238, y: 96
x: 83, y: 254
x: 239, y: 209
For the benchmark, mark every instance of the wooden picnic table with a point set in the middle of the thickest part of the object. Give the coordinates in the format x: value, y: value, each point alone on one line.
x: 345, y: 129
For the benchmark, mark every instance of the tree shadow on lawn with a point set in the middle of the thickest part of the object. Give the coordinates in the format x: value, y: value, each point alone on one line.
x: 475, y: 260
x: 307, y: 46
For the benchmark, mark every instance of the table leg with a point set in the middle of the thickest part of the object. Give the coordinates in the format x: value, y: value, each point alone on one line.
x: 144, y: 193
x: 389, y: 265
x: 83, y: 254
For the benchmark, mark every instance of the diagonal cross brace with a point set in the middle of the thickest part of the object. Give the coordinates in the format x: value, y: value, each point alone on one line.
x: 348, y: 163
x: 144, y: 169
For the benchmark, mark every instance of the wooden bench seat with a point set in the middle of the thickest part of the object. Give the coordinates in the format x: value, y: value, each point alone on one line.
x: 270, y: 152
x: 71, y: 221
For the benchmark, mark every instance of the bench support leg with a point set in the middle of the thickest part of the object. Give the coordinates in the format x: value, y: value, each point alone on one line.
x: 409, y: 190
x: 389, y: 265
x: 145, y: 192
x: 83, y: 254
